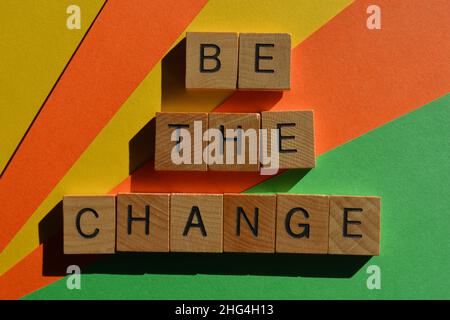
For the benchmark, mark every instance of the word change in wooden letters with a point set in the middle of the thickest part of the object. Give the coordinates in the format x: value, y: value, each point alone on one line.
x: 163, y: 222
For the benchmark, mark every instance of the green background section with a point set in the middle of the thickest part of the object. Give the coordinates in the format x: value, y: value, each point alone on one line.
x: 406, y: 162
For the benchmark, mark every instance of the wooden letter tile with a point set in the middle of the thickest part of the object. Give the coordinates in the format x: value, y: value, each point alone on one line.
x: 302, y: 223
x: 211, y: 60
x: 249, y: 223
x: 143, y: 222
x: 354, y: 225
x: 264, y: 61
x: 232, y: 147
x: 196, y: 222
x: 189, y: 149
x: 89, y: 224
x: 295, y: 143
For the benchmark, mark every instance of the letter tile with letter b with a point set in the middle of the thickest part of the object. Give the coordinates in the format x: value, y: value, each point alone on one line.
x: 302, y: 223
x: 249, y: 223
x: 89, y: 224
x: 196, y: 222
x: 354, y: 225
x: 295, y: 138
x: 211, y: 60
x: 143, y: 222
x: 179, y: 141
x: 264, y: 61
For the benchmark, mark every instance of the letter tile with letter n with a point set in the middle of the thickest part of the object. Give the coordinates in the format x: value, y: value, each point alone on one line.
x: 143, y: 222
x: 196, y: 222
x: 249, y: 223
x: 235, y: 143
x: 211, y: 60
x: 179, y: 141
x: 89, y: 224
x: 264, y: 61
x: 354, y: 225
x: 302, y: 223
x: 294, y: 141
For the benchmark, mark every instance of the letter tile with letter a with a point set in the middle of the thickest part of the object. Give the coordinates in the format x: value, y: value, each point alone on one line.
x: 302, y: 223
x: 89, y: 224
x: 211, y: 60
x: 354, y: 225
x: 143, y: 222
x: 249, y: 223
x: 196, y: 222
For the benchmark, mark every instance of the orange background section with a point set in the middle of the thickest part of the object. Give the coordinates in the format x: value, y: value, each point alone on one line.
x: 357, y: 79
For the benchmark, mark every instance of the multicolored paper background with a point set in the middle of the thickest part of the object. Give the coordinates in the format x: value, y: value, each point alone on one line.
x: 76, y: 113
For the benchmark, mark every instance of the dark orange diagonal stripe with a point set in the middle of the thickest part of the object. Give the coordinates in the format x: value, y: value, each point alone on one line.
x: 25, y: 277
x: 126, y: 41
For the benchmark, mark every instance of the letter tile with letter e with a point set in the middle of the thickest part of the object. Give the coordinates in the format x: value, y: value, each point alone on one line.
x: 196, y: 222
x: 143, y: 222
x: 302, y: 223
x: 294, y: 141
x: 89, y: 224
x: 264, y: 61
x: 249, y: 223
x: 354, y: 225
x: 211, y: 60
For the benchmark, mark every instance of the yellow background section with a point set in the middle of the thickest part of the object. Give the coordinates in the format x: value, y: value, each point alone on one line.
x: 35, y: 46
x: 105, y: 163
x: 102, y: 166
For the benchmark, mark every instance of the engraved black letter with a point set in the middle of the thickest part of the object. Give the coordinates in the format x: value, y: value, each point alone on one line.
x: 259, y: 57
x: 254, y: 228
x: 177, y: 127
x: 281, y: 138
x: 347, y: 222
x: 287, y: 224
x: 212, y: 57
x: 78, y: 223
x: 195, y: 211
x: 146, y: 219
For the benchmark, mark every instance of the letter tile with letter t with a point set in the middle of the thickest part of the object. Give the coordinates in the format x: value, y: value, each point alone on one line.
x: 249, y: 223
x: 211, y: 60
x: 354, y: 225
x: 89, y: 224
x: 179, y: 141
x: 196, y: 222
